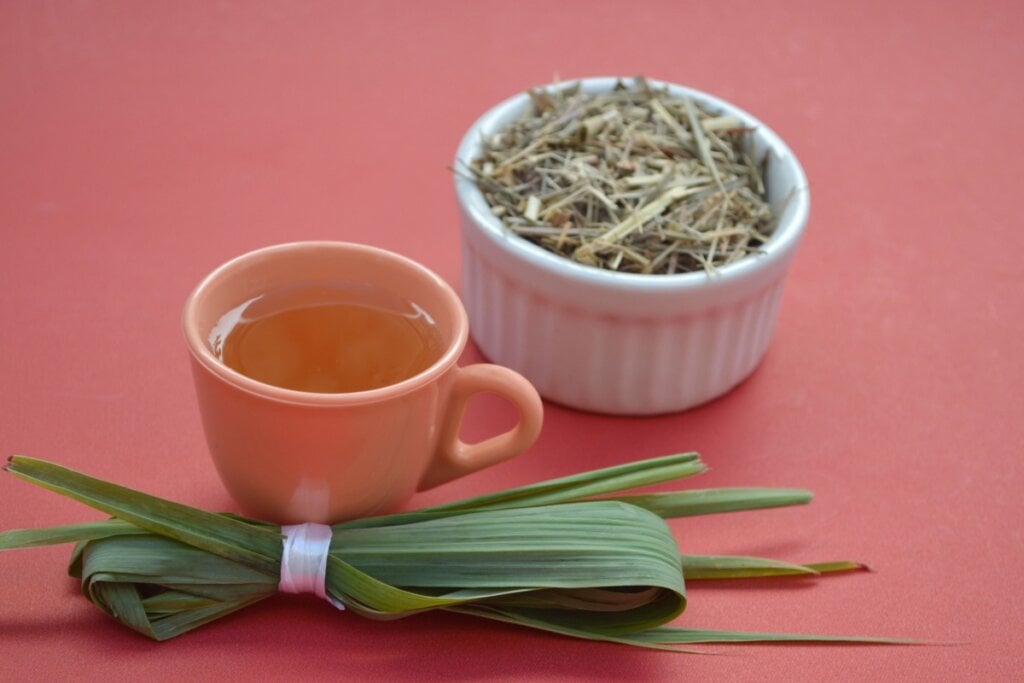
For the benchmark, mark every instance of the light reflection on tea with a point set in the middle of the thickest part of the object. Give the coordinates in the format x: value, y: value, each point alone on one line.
x: 327, y: 337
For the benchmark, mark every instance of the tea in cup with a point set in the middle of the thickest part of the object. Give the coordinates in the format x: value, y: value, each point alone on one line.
x: 327, y: 380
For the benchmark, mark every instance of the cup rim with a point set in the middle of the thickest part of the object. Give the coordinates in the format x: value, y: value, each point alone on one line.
x: 782, y: 241
x: 201, y: 352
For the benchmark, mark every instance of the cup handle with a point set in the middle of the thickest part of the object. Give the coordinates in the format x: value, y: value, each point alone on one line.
x: 454, y: 457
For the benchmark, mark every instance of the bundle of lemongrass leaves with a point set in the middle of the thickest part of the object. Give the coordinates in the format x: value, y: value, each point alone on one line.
x: 569, y: 555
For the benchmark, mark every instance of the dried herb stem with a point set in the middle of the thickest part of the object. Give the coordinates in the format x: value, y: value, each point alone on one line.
x: 633, y: 179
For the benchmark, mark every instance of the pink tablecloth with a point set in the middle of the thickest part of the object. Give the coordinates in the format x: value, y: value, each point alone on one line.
x: 144, y: 143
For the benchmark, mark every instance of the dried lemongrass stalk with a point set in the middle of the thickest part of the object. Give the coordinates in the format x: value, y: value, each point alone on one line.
x: 633, y: 179
x: 572, y: 556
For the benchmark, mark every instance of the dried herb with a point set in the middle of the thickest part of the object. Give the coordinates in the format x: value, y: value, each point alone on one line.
x: 570, y: 556
x: 634, y: 179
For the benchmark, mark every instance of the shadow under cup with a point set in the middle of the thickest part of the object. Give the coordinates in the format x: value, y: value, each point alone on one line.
x: 292, y: 456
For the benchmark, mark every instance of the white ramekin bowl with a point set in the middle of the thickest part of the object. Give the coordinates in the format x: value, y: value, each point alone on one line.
x: 623, y: 343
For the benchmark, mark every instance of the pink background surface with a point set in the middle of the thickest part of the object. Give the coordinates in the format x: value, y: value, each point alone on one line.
x: 142, y: 144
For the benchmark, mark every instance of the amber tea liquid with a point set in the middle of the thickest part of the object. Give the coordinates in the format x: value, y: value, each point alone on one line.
x: 327, y: 338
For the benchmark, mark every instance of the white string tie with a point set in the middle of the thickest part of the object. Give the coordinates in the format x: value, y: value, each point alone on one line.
x: 304, y: 560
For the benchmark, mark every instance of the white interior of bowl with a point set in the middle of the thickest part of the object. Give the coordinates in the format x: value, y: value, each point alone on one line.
x: 785, y: 182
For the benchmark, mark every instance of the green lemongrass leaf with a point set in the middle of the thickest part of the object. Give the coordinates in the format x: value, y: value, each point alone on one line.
x: 219, y: 591
x: 610, y: 623
x: 674, y: 634
x: 568, y: 489
x: 370, y: 597
x: 841, y: 566
x: 171, y: 601
x: 589, y: 599
x: 68, y: 533
x: 710, y: 501
x: 121, y: 601
x: 709, y: 567
x: 580, y: 632
x: 585, y: 485
x: 178, y: 623
x: 254, y: 546
x: 698, y: 567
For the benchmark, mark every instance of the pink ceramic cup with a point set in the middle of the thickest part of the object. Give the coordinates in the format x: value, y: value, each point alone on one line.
x: 292, y: 456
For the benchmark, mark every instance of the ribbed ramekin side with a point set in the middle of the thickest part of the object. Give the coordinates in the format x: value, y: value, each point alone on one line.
x: 659, y: 366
